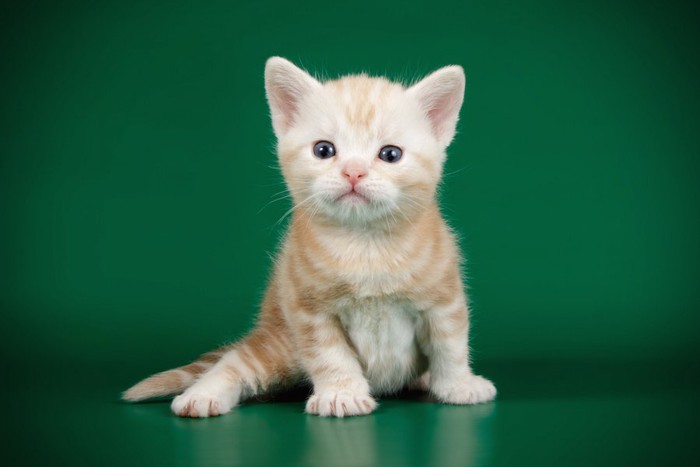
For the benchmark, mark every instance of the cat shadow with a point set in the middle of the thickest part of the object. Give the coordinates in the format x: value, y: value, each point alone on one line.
x: 298, y: 394
x: 301, y: 393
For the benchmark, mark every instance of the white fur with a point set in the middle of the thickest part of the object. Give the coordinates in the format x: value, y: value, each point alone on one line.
x: 384, y: 335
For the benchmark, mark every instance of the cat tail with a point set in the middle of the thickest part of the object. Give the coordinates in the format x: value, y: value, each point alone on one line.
x: 175, y: 381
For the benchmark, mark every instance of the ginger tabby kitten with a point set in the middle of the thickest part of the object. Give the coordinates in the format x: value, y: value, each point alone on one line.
x: 366, y: 296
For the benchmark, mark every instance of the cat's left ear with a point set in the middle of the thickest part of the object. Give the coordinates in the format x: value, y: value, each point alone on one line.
x: 440, y: 96
x: 286, y: 86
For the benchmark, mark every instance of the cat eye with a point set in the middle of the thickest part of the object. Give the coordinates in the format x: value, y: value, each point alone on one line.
x: 390, y: 154
x: 324, y: 150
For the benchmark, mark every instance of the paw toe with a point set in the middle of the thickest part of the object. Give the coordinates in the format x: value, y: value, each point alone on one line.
x: 199, y: 405
x: 340, y: 403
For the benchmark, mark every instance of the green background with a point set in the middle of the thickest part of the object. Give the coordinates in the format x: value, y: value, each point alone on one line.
x: 136, y: 224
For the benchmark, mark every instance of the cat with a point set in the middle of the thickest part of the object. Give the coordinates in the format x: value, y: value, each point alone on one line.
x: 366, y: 295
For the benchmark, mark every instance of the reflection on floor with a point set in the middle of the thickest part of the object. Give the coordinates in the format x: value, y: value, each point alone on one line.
x: 547, y: 413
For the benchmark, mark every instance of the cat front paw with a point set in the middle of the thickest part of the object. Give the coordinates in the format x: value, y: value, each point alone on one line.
x: 202, y: 403
x: 340, y: 403
x: 468, y: 389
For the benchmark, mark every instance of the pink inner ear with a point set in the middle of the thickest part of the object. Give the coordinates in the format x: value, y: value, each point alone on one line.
x: 440, y: 113
x: 284, y: 100
x: 286, y: 103
x: 436, y: 118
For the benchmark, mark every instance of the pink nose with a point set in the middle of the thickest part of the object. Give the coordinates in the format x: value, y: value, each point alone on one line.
x: 354, y: 174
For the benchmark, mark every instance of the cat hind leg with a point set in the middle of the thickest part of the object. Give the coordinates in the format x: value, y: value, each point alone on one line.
x: 249, y: 368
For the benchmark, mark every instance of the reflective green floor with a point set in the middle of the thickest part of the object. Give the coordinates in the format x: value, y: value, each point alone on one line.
x: 546, y: 414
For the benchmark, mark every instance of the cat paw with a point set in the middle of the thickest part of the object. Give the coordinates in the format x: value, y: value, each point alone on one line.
x: 201, y: 404
x: 469, y: 389
x: 340, y: 403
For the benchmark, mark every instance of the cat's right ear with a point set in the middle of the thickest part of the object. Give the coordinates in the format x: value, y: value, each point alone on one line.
x: 286, y: 85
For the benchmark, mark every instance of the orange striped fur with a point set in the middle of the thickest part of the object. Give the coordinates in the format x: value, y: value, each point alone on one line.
x: 366, y: 296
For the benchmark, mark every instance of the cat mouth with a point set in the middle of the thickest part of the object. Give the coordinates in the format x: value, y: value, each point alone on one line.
x: 353, y: 196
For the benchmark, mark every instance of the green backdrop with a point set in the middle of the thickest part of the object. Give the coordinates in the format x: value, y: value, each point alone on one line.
x: 137, y: 170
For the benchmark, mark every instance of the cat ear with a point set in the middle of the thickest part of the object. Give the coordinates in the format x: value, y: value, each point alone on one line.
x: 286, y: 85
x: 440, y: 95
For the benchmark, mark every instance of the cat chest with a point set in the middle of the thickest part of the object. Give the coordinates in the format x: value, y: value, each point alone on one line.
x: 384, y: 335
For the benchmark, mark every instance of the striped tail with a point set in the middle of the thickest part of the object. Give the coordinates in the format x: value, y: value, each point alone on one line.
x: 171, y: 382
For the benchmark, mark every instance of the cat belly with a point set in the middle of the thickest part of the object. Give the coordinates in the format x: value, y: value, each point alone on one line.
x: 384, y: 335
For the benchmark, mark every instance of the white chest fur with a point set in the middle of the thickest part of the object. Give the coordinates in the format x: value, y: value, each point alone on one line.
x: 383, y: 332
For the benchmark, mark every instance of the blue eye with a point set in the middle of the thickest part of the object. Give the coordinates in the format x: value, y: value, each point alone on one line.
x: 324, y: 150
x: 390, y: 154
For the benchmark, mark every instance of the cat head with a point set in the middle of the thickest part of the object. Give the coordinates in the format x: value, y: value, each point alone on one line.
x: 362, y: 150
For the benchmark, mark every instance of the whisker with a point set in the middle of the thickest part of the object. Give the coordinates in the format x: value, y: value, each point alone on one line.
x: 461, y: 169
x: 274, y: 200
x: 295, y: 207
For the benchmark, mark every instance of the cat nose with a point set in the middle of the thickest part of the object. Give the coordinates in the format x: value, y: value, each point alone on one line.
x: 354, y: 173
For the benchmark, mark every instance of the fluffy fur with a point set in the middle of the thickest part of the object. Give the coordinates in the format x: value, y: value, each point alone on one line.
x: 366, y: 295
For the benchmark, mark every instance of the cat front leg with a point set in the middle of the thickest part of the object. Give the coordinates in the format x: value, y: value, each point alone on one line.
x: 340, y: 387
x: 445, y: 342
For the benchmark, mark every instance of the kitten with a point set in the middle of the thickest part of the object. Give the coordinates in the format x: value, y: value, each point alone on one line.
x: 366, y: 295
